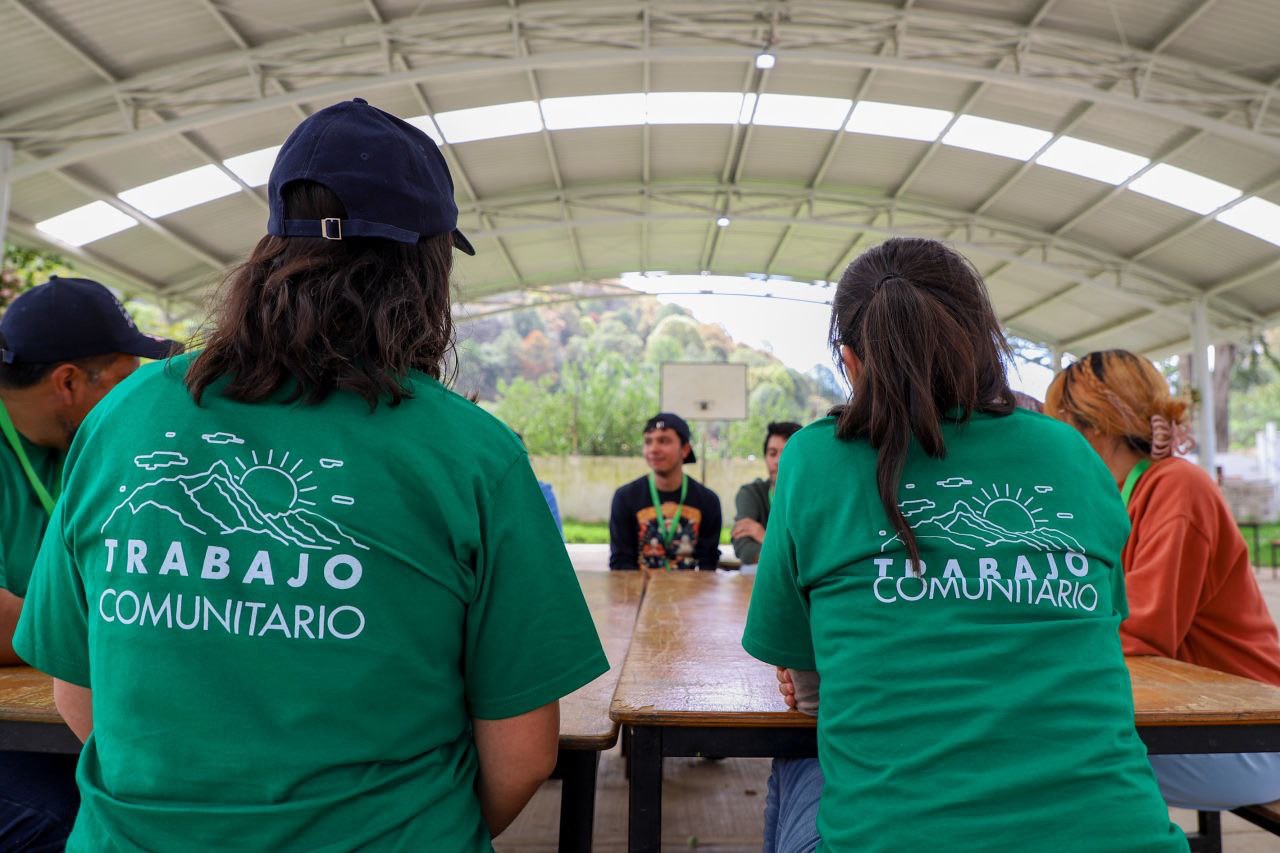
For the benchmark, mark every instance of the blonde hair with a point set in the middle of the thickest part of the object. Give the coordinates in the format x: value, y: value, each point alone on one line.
x: 1124, y: 396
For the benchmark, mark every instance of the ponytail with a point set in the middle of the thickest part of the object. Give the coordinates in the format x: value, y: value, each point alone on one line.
x: 916, y: 315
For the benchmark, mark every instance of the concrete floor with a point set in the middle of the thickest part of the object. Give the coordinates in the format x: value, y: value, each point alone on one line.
x: 718, y: 806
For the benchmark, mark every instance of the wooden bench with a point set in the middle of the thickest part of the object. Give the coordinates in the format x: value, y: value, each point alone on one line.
x: 586, y: 729
x: 28, y: 720
x: 1266, y: 816
x: 1208, y: 835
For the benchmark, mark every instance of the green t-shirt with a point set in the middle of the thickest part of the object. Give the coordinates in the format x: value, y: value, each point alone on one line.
x: 290, y: 614
x: 986, y: 705
x: 25, y: 518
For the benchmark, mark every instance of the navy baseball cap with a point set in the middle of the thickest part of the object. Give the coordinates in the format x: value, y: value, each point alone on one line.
x: 65, y: 319
x: 667, y: 420
x: 388, y: 174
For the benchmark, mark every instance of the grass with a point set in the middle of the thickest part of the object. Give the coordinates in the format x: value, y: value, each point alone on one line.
x: 586, y: 532
x: 1266, y: 534
x: 597, y: 532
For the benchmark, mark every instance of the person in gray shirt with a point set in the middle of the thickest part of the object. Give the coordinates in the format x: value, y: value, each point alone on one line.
x: 755, y: 498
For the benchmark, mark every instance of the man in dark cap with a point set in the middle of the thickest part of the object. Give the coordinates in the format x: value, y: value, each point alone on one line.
x: 665, y: 519
x: 63, y: 346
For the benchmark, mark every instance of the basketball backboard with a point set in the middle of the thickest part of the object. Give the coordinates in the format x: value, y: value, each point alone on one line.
x: 700, y: 391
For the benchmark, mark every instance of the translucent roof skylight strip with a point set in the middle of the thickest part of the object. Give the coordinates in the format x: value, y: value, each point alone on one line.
x: 427, y: 125
x: 1002, y: 138
x: 1184, y: 189
x: 898, y: 121
x: 490, y: 122
x: 803, y: 111
x: 86, y: 223
x: 1091, y: 160
x: 593, y: 111
x: 180, y: 191
x: 694, y: 107
x: 254, y: 168
x: 1255, y: 216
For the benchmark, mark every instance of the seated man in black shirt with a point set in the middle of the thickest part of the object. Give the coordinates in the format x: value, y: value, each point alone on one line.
x: 665, y: 519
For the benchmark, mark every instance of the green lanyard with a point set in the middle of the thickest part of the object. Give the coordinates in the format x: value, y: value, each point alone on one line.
x: 10, y: 433
x: 1132, y: 480
x: 668, y: 530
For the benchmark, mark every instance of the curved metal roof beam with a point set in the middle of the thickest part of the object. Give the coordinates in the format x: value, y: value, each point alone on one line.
x: 1227, y: 105
x: 755, y: 197
x: 1083, y: 269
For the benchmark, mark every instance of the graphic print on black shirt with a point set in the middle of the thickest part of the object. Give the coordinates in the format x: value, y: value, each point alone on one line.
x: 677, y: 554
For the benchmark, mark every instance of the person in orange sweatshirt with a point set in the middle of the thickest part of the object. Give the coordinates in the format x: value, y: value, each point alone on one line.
x: 1192, y: 592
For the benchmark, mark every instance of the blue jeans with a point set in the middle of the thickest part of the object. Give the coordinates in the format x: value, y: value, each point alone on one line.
x: 791, y: 807
x: 38, y: 800
x: 1218, y: 782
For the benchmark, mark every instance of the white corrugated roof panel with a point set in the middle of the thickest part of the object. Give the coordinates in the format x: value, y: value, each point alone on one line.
x: 478, y: 53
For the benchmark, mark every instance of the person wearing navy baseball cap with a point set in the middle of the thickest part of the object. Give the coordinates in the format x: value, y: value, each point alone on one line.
x: 385, y: 614
x: 390, y: 177
x: 665, y: 519
x: 63, y: 345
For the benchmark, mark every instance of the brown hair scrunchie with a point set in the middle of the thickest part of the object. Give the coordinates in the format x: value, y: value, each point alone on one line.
x: 1169, y: 437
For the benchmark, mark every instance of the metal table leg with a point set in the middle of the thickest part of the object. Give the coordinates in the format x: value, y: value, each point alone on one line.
x: 644, y: 829
x: 578, y: 768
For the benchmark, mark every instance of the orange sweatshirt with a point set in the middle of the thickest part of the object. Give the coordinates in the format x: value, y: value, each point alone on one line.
x: 1192, y: 593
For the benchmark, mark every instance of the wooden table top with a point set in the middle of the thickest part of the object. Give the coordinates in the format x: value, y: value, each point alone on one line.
x: 1169, y: 692
x: 614, y: 599
x: 687, y: 667
x: 26, y: 696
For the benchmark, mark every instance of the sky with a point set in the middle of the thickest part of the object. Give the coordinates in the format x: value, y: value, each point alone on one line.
x: 787, y: 318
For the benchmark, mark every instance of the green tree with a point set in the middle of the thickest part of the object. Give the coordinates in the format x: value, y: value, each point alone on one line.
x: 154, y: 319
x: 527, y: 321
x: 766, y: 404
x: 660, y: 349
x: 613, y: 336
x: 1255, y: 389
x: 536, y: 412
x: 537, y: 355
x: 775, y: 374
x: 22, y: 269
x: 684, y: 330
x: 596, y: 409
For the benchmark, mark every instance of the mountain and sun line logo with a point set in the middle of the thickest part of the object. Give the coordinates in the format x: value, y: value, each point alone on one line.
x: 267, y: 495
x: 991, y: 515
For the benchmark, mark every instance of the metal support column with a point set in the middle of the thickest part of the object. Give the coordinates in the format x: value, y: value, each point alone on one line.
x: 6, y: 163
x: 1206, y: 430
x: 1055, y: 360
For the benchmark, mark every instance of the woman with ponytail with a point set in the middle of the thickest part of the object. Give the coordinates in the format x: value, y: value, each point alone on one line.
x: 1192, y: 592
x: 949, y: 567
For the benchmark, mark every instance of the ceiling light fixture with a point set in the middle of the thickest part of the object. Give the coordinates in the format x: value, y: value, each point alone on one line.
x: 766, y: 60
x: 723, y: 222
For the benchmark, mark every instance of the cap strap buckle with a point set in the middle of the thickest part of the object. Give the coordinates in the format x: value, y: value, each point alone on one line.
x: 334, y: 233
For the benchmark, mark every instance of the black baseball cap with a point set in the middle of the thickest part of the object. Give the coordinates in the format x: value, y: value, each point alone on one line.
x: 65, y: 319
x: 388, y: 174
x: 667, y: 420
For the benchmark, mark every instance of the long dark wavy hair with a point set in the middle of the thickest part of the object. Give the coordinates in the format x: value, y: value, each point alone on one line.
x: 314, y: 316
x: 917, y: 315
